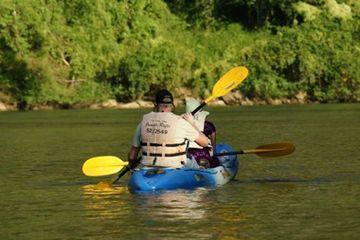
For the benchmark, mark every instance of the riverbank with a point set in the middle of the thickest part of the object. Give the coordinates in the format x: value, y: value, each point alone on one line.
x: 231, y: 99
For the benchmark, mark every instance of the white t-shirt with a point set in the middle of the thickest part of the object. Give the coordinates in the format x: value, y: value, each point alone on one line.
x: 184, y: 130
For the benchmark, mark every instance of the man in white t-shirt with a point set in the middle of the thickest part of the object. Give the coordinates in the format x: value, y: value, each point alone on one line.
x: 162, y: 136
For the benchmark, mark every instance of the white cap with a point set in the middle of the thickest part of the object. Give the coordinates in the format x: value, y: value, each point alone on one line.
x: 192, y: 104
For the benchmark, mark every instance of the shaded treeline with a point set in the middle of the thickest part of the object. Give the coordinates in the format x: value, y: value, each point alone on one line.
x: 72, y: 51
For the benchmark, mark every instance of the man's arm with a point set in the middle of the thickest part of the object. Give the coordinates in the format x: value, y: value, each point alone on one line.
x: 135, y: 148
x: 202, y: 140
x: 132, y: 157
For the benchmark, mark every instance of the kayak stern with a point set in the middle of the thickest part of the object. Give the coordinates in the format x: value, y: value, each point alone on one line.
x: 158, y: 179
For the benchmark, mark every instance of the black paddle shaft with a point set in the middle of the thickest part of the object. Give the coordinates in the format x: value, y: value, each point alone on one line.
x: 229, y: 153
x: 122, y: 173
x: 125, y: 170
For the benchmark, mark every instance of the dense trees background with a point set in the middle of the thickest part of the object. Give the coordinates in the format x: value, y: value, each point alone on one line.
x: 71, y: 51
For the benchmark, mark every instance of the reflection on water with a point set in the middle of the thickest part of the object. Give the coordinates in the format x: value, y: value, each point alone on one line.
x: 101, y: 200
x: 187, y: 214
x: 175, y: 205
x: 103, y: 188
x: 160, y: 215
x: 211, y: 213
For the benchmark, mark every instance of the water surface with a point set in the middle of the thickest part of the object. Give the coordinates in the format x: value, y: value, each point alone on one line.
x: 312, y: 194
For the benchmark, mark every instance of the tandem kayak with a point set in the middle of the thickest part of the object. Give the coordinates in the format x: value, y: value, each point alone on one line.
x: 158, y: 179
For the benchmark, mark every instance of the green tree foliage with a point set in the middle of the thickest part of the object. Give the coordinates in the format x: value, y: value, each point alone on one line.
x: 68, y: 52
x: 317, y: 57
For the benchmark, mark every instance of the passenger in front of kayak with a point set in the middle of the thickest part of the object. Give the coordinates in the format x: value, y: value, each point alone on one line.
x: 162, y: 136
x: 203, y: 155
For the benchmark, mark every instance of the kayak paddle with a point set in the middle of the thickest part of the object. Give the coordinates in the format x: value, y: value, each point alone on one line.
x: 103, y: 166
x: 107, y: 165
x: 225, y: 84
x: 268, y: 150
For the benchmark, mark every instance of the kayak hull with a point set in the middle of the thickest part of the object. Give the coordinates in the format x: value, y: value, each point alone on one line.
x: 158, y: 179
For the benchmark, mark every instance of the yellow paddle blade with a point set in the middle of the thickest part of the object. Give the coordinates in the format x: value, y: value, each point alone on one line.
x: 273, y: 149
x: 102, y: 166
x: 228, y: 82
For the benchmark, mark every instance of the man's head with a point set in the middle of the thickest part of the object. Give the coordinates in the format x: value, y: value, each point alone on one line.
x: 164, y: 101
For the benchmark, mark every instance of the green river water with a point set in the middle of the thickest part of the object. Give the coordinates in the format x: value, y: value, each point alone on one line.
x: 312, y: 194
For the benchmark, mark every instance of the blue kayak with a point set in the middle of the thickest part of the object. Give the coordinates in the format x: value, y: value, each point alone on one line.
x: 157, y: 179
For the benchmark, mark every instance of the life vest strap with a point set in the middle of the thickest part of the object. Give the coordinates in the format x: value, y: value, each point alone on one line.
x: 161, y: 145
x: 161, y: 155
